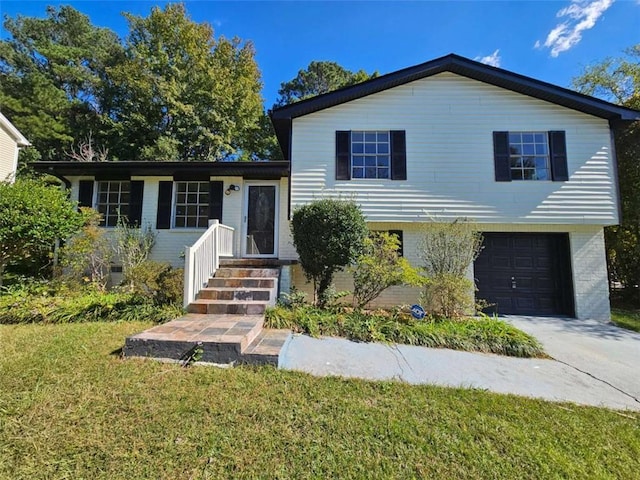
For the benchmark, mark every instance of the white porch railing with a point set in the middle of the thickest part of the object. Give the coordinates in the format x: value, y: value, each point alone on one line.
x: 202, y: 259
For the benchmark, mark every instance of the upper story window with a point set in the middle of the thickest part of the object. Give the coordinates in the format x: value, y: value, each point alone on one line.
x: 529, y: 156
x: 370, y: 154
x: 191, y: 205
x: 113, y: 201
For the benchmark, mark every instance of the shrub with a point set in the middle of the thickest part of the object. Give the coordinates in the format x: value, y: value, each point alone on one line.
x: 158, y: 282
x: 33, y: 215
x: 447, y: 250
x: 328, y: 235
x: 132, y: 247
x: 379, y: 268
x: 51, y: 303
x: 86, y: 258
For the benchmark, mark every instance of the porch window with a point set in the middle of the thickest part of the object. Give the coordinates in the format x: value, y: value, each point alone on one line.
x: 113, y: 201
x: 191, y: 205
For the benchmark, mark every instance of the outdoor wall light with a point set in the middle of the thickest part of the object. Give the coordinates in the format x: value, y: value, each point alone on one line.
x: 232, y: 188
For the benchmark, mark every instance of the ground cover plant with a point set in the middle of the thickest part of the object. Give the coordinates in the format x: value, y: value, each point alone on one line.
x: 483, y: 334
x: 626, y: 318
x: 72, y: 408
x: 50, y: 302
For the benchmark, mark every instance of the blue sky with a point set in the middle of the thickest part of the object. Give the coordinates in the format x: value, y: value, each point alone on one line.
x: 548, y: 40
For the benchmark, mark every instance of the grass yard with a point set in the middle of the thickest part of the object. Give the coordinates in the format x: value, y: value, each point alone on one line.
x: 69, y: 408
x: 629, y: 319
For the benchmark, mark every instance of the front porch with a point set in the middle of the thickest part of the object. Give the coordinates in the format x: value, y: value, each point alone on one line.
x: 226, y: 299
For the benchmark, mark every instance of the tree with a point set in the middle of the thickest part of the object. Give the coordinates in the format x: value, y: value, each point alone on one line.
x: 316, y: 79
x: 618, y: 80
x: 33, y: 216
x: 180, y: 93
x: 328, y: 235
x: 53, y: 82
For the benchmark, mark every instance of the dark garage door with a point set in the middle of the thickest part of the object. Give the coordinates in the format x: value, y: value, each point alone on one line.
x: 525, y: 274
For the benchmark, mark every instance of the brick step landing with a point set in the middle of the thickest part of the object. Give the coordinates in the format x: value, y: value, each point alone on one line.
x: 223, y: 339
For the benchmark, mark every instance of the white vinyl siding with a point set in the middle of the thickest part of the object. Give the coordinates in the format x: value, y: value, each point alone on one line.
x: 449, y: 122
x: 8, y: 156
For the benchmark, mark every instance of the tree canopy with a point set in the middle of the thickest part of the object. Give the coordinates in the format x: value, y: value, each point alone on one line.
x: 618, y: 80
x: 316, y: 79
x: 53, y: 77
x: 169, y: 91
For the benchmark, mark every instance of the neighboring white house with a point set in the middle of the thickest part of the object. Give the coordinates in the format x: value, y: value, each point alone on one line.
x: 530, y: 162
x: 11, y: 141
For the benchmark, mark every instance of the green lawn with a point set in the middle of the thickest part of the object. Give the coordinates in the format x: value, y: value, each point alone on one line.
x: 629, y: 319
x: 71, y: 409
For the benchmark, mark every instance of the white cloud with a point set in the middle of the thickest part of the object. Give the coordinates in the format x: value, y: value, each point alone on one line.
x: 493, y: 59
x: 579, y: 16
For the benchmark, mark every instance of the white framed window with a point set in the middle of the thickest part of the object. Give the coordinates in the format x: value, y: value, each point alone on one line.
x: 113, y: 201
x: 370, y: 154
x: 191, y: 205
x: 529, y: 156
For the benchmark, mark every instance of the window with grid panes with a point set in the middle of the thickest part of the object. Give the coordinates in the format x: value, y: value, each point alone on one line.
x: 370, y: 154
x: 113, y: 201
x: 191, y: 205
x: 529, y: 156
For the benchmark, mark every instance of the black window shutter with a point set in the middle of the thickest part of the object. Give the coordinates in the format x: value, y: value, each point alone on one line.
x: 216, y: 194
x: 165, y: 196
x: 343, y: 155
x: 135, y: 203
x: 558, y: 156
x: 85, y: 193
x: 398, y: 234
x: 398, y: 155
x: 501, y: 156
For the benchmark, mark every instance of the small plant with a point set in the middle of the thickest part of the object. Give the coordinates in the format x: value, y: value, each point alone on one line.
x: 379, y: 268
x: 295, y: 298
x: 328, y: 235
x: 86, y: 258
x: 132, y: 247
x: 447, y: 250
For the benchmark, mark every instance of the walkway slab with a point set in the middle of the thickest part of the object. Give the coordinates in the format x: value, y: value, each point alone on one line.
x: 537, y: 378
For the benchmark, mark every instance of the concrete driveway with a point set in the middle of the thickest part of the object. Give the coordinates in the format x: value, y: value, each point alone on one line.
x: 597, y: 369
x: 601, y: 350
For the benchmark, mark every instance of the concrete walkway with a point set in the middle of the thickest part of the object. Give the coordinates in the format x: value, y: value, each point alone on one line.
x: 546, y: 379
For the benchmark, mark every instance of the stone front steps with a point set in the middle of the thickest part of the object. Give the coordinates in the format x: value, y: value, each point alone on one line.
x: 224, y: 323
x: 223, y: 339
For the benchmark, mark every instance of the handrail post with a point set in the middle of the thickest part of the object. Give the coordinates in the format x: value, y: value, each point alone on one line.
x: 188, y: 276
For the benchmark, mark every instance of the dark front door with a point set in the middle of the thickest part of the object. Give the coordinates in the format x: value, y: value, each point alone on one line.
x: 525, y: 274
x: 261, y: 220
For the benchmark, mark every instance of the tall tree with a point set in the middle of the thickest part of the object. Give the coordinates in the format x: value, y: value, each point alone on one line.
x: 53, y: 77
x: 618, y: 80
x: 316, y: 79
x: 182, y: 94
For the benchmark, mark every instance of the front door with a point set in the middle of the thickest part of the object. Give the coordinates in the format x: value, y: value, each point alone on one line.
x: 260, y: 238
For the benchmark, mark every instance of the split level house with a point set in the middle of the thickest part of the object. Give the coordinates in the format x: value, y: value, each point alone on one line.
x: 11, y: 141
x: 531, y: 163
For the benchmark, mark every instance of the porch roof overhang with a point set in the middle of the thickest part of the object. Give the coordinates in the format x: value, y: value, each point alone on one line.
x: 247, y: 170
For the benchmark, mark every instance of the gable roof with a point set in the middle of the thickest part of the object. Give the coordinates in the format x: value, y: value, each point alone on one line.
x: 13, y: 132
x: 283, y: 116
